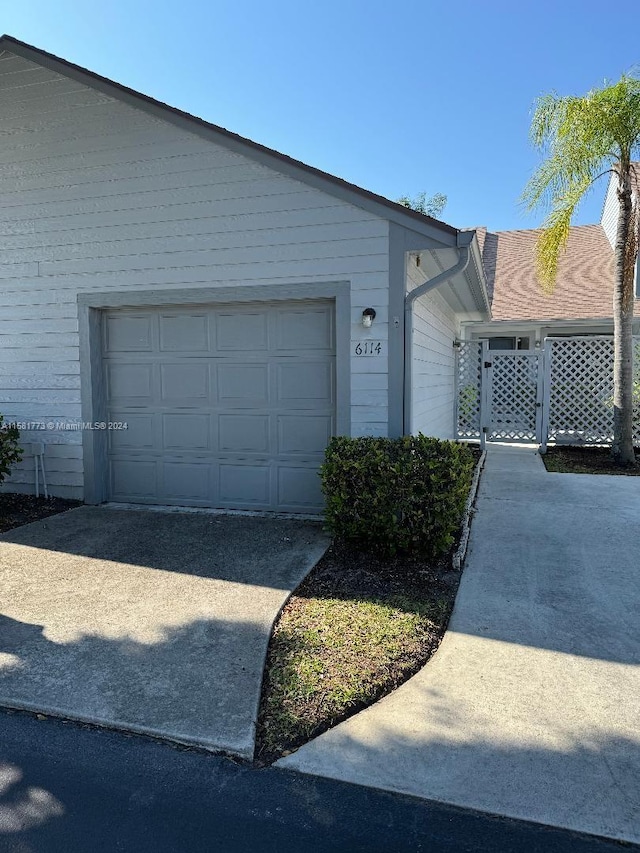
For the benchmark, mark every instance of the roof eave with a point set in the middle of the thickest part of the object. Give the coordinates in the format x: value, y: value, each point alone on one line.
x: 466, y: 290
x: 475, y: 275
x: 541, y: 321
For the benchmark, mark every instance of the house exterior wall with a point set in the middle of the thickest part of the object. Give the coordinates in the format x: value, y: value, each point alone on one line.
x: 609, y: 218
x: 609, y: 222
x: 98, y: 196
x: 435, y: 328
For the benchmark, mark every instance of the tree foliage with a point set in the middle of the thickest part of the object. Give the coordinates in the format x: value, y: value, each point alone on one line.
x: 432, y: 206
x: 581, y: 139
x: 10, y: 452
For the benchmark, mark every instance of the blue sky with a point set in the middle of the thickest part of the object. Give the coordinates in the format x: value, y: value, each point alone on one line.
x: 397, y: 97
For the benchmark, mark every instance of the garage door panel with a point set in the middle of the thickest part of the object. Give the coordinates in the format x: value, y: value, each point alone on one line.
x: 134, y: 479
x: 184, y: 431
x: 241, y: 332
x: 304, y: 329
x: 139, y: 434
x: 186, y: 481
x: 128, y: 333
x: 304, y: 384
x: 299, y: 486
x: 243, y: 433
x: 244, y: 485
x: 243, y: 384
x: 184, y: 381
x: 129, y: 382
x: 304, y: 434
x: 229, y: 406
x: 184, y: 333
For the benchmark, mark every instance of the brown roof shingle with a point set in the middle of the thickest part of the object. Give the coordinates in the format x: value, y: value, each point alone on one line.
x: 584, y: 288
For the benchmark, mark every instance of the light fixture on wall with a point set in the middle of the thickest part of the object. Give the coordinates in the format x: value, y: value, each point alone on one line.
x: 368, y: 316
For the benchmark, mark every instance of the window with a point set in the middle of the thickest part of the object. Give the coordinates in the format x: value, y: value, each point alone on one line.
x: 502, y: 343
x: 509, y: 343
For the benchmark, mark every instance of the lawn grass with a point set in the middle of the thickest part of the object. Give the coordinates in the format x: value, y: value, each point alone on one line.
x: 356, y: 628
x: 586, y: 460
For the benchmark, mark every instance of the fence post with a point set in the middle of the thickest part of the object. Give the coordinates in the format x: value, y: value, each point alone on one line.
x: 456, y: 388
x: 485, y: 393
x: 539, y: 395
x: 545, y: 379
x: 636, y: 391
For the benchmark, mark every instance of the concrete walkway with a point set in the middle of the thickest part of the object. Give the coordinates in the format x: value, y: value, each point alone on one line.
x: 147, y: 621
x: 531, y: 706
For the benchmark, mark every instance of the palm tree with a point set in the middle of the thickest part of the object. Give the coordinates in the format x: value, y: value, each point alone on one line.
x: 584, y: 138
x: 432, y: 206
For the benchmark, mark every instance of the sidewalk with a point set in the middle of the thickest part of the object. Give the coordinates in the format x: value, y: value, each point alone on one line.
x: 531, y: 707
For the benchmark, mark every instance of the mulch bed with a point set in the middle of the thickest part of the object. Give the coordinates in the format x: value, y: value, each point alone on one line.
x: 23, y: 509
x: 586, y: 460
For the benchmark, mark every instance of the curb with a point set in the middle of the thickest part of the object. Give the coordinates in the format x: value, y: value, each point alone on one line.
x: 461, y: 553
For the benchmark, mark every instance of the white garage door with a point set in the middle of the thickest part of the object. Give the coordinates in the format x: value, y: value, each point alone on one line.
x: 228, y: 406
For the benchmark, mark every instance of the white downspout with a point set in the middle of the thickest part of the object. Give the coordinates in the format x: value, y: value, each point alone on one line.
x: 460, y: 266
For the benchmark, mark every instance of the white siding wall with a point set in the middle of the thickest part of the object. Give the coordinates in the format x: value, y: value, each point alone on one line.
x: 609, y: 222
x: 435, y: 327
x: 97, y: 195
x: 609, y: 218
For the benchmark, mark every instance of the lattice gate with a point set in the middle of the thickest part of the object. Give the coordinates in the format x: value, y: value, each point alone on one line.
x: 499, y: 393
x: 562, y: 393
x: 512, y: 383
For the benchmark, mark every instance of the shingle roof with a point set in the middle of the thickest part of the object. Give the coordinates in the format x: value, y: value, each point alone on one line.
x: 584, y: 288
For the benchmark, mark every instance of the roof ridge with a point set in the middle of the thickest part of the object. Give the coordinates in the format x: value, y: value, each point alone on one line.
x: 540, y: 228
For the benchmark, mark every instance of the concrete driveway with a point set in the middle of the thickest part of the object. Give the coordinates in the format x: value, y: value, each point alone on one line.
x: 148, y: 621
x: 531, y: 706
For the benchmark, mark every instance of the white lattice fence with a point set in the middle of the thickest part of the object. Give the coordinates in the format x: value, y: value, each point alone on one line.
x: 578, y: 401
x: 579, y: 398
x: 468, y: 391
x: 514, y: 396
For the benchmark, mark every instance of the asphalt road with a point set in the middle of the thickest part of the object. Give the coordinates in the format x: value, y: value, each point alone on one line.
x: 75, y: 789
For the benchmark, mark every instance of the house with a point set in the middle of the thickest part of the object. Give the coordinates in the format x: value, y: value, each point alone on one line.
x: 561, y: 391
x: 522, y: 315
x: 186, y: 316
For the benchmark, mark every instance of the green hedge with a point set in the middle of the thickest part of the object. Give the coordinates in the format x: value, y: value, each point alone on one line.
x: 396, y: 495
x: 10, y: 453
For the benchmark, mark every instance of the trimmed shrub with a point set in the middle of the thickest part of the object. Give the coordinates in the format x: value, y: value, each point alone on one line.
x: 396, y: 495
x: 10, y: 452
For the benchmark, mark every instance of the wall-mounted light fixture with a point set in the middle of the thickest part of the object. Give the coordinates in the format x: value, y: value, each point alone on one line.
x: 368, y: 316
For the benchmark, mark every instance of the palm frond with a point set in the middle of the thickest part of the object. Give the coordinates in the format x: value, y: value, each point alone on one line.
x: 555, y: 234
x: 581, y: 138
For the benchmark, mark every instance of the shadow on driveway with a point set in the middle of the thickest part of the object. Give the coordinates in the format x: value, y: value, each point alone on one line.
x: 242, y: 549
x: 152, y: 622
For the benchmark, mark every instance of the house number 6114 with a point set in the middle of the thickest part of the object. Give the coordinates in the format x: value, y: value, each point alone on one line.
x: 368, y: 348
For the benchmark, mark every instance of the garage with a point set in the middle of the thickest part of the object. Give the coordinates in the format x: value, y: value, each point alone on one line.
x: 232, y: 306
x: 227, y: 406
